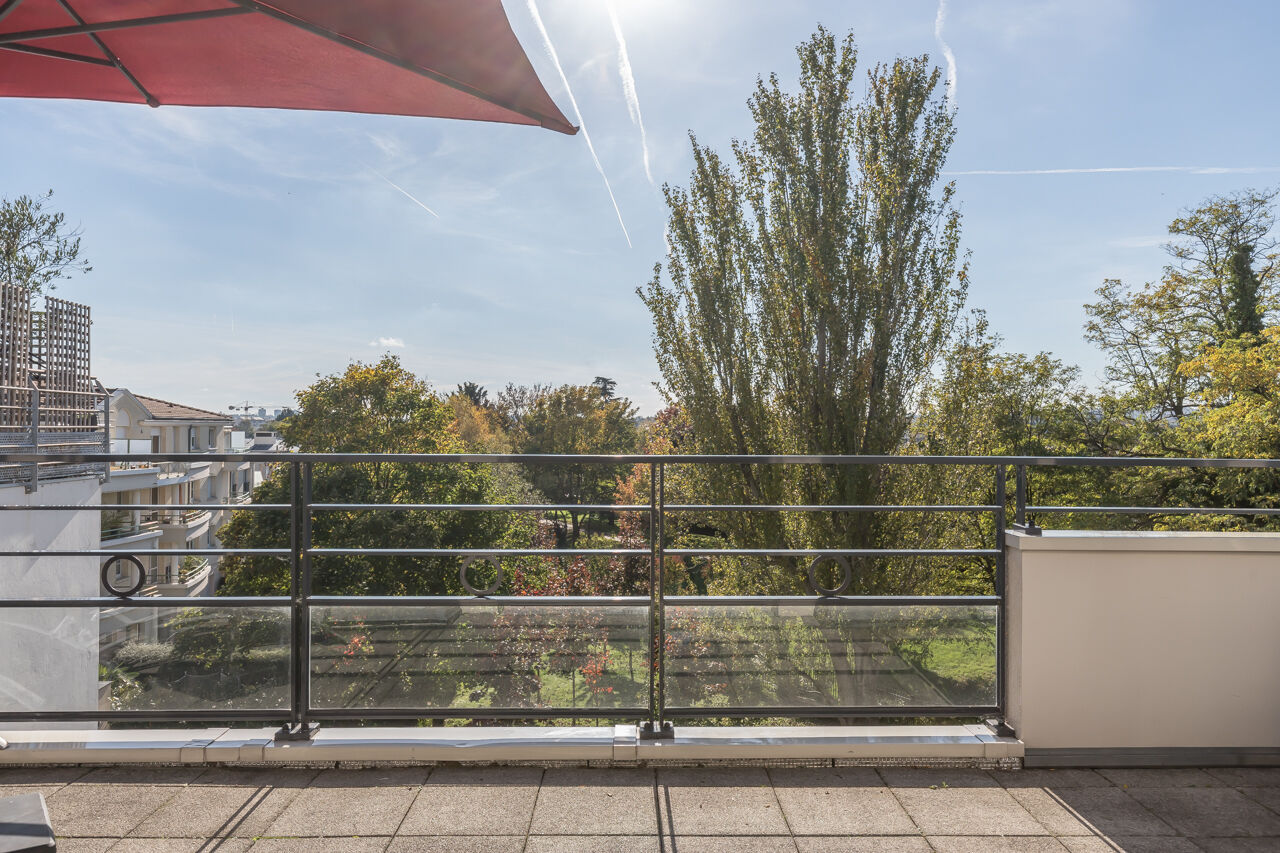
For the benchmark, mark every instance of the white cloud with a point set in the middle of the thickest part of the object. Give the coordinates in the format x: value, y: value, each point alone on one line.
x: 938, y: 24
x: 387, y: 342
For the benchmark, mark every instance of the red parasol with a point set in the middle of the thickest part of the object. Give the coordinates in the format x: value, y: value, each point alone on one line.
x: 443, y: 58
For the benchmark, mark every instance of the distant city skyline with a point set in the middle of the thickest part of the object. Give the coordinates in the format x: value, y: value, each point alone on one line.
x: 239, y: 253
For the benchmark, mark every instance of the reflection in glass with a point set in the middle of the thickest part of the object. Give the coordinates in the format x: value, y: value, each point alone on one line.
x: 828, y: 654
x: 138, y: 658
x: 486, y: 656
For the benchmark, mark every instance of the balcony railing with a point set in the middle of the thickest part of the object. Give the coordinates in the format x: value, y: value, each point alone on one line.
x: 308, y: 656
x: 121, y: 524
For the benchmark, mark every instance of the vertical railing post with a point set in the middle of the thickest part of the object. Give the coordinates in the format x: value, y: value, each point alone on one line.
x: 1001, y: 590
x: 35, y: 437
x: 1020, y: 503
x: 297, y: 728
x: 656, y: 727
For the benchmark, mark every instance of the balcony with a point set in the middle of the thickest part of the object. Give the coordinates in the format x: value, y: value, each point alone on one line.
x: 126, y: 524
x: 1064, y: 661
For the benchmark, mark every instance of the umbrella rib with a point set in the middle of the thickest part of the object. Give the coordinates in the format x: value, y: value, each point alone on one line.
x: 57, y: 54
x: 110, y: 55
x: 546, y: 121
x: 8, y: 6
x: 108, y: 26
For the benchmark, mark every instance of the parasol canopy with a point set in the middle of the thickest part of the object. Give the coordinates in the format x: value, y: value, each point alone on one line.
x: 441, y: 58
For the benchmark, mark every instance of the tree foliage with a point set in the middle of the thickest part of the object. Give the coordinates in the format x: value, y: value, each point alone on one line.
x: 371, y: 408
x: 811, y: 282
x: 37, y: 248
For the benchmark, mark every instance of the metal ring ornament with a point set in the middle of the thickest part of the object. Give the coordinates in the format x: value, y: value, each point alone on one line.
x: 846, y: 571
x: 133, y: 590
x: 491, y: 588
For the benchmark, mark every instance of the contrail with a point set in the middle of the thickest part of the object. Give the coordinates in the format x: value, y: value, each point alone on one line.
x: 629, y: 85
x: 1193, y: 170
x: 403, y: 192
x: 551, y: 51
x: 938, y: 23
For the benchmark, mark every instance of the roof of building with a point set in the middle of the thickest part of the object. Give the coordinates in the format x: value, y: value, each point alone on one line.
x: 164, y: 410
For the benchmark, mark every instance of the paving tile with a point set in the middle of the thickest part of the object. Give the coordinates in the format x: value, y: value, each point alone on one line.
x: 258, y: 777
x: 1209, y: 811
x: 84, y: 845
x: 851, y: 808
x: 994, y: 844
x: 82, y: 809
x: 722, y: 801
x: 1112, y: 812
x: 824, y: 777
x: 180, y: 845
x: 40, y: 775
x: 720, y: 844
x: 350, y: 802
x: 595, y: 844
x: 335, y: 844
x: 1129, y: 844
x: 485, y: 776
x: 475, y: 801
x: 1153, y: 777
x: 125, y: 774
x: 595, y: 802
x: 940, y: 777
x: 1269, y: 797
x: 869, y: 844
x: 1238, y: 845
x: 967, y: 811
x: 1239, y: 777
x: 457, y: 844
x: 1066, y: 778
x: 217, y: 811
x: 1052, y: 812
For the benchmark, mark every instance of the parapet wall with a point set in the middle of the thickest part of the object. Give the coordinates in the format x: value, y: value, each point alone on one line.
x: 1144, y: 648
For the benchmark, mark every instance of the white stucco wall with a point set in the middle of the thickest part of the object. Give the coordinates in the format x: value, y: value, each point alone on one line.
x: 50, y: 656
x: 1144, y: 640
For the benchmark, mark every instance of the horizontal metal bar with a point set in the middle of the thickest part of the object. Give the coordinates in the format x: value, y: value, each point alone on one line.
x: 833, y: 600
x: 182, y: 602
x: 831, y: 508
x: 1156, y: 510
x: 830, y: 711
x: 831, y: 552
x: 153, y: 552
x: 637, y: 459
x: 471, y: 601
x: 468, y: 713
x: 70, y: 57
x: 480, y: 507
x: 108, y: 26
x: 480, y: 552
x: 143, y: 507
x: 176, y: 716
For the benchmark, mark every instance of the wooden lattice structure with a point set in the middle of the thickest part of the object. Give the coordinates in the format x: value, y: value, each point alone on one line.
x: 60, y: 358
x: 49, y: 400
x: 15, y: 359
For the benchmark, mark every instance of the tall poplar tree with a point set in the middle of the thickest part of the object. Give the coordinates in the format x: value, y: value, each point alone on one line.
x: 811, y: 281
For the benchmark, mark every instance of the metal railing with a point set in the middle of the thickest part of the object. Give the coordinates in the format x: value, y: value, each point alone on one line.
x: 851, y: 637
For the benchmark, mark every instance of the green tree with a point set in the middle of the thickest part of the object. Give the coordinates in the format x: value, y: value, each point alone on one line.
x: 811, y: 283
x: 36, y: 246
x: 1223, y: 281
x: 577, y: 419
x: 371, y: 408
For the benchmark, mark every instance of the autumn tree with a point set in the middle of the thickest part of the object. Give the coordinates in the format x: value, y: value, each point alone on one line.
x: 811, y: 281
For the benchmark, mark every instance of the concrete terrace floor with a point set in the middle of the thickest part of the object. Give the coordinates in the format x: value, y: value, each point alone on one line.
x: 460, y: 809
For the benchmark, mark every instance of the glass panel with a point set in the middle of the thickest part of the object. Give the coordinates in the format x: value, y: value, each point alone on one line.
x: 134, y: 658
x: 825, y: 654
x: 475, y: 657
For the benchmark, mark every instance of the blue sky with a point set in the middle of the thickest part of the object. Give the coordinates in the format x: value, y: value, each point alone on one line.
x: 238, y: 253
